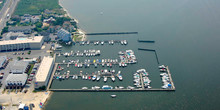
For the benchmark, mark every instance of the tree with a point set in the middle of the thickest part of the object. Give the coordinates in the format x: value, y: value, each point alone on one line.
x: 4, y: 30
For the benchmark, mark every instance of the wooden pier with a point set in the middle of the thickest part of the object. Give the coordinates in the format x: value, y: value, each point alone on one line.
x: 171, y: 80
x: 142, y: 83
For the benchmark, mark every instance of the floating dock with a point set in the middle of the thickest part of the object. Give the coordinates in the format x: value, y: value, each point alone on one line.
x: 146, y: 41
x: 151, y: 51
x: 171, y: 80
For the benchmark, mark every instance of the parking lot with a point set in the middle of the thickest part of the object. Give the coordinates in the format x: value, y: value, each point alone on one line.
x: 15, y: 55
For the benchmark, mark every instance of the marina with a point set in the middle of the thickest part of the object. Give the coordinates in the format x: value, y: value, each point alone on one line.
x: 89, y: 71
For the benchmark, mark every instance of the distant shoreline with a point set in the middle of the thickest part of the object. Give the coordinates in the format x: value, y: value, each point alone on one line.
x: 81, y: 32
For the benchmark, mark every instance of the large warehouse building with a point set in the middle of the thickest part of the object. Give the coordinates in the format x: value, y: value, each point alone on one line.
x: 44, y: 72
x: 22, y: 43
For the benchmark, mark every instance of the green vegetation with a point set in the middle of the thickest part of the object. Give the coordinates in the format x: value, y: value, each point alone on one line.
x: 31, y: 67
x: 2, y: 4
x: 4, y: 30
x: 38, y: 27
x: 29, y: 52
x: 35, y: 7
x: 77, y: 38
x: 60, y: 20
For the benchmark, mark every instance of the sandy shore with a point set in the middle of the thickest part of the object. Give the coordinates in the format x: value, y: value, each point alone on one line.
x: 81, y: 32
x: 12, y: 100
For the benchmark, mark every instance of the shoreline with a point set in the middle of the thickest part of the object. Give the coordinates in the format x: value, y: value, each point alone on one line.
x: 81, y: 32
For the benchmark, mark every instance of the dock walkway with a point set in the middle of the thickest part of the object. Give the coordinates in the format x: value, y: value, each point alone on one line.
x: 171, y: 80
x: 51, y: 78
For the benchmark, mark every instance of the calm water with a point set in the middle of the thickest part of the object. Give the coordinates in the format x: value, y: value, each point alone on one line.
x: 187, y: 40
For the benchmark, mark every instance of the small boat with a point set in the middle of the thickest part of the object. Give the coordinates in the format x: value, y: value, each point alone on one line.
x: 105, y: 78
x: 121, y: 87
x: 113, y: 96
x: 76, y: 77
x: 113, y: 78
x: 120, y: 77
x: 102, y: 42
x: 107, y: 87
x: 84, y: 88
x: 98, y: 78
x: 94, y: 77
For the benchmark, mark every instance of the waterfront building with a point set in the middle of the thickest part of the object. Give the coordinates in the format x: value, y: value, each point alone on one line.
x: 64, y: 35
x: 22, y: 43
x: 15, y: 81
x: 44, y: 72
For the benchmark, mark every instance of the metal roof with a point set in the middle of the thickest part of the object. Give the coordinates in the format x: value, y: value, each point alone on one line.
x: 16, y: 78
x: 44, y: 69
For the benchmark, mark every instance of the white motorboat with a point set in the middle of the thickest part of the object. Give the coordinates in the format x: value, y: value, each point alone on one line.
x: 84, y: 88
x: 98, y: 78
x: 113, y: 78
x: 120, y: 77
x: 94, y: 77
x: 105, y: 78
x: 113, y: 96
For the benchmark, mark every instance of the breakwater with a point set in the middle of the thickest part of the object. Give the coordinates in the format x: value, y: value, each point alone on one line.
x: 111, y: 33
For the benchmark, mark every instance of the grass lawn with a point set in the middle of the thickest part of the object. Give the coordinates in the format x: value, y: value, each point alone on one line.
x: 29, y: 72
x: 35, y: 7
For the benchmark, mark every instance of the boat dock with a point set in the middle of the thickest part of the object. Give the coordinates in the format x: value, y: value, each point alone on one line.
x: 109, y: 90
x: 142, y: 83
x: 171, y: 80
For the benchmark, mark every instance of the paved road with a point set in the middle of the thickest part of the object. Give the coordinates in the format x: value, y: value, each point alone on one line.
x: 8, y: 8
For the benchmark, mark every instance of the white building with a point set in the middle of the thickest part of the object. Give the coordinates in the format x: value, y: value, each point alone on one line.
x: 22, y: 44
x: 44, y: 72
x: 15, y: 80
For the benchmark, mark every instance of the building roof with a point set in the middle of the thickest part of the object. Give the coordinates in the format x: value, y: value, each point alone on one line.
x: 43, y: 70
x: 16, y: 78
x: 20, y: 28
x: 19, y: 66
x: 35, y: 39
